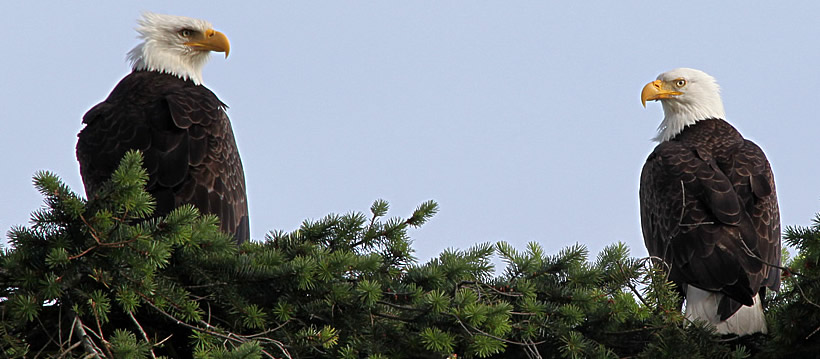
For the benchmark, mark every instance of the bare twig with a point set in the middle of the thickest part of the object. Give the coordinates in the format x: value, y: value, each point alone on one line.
x: 91, y: 229
x: 632, y: 286
x: 683, y: 207
x: 393, y: 317
x: 813, y: 333
x: 142, y: 331
x: 470, y: 329
x: 97, y: 347
x: 229, y: 337
x: 269, y: 330
x: 83, y: 252
x: 216, y: 284
x: 667, y: 267
x: 810, y: 302
x: 749, y: 252
x: 106, y: 345
x: 70, y: 333
x: 164, y: 340
x: 88, y: 345
x: 628, y: 331
x: 531, y: 349
x: 522, y: 313
x: 658, y: 259
x: 508, y: 294
x: 68, y: 350
x: 458, y: 286
x: 399, y: 306
x: 102, y: 245
x: 50, y: 338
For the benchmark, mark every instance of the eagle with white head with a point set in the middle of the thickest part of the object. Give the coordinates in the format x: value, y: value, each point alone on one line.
x: 162, y: 109
x: 709, y: 206
x: 176, y: 45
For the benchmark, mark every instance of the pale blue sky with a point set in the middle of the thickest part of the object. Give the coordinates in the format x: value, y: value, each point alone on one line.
x: 521, y: 119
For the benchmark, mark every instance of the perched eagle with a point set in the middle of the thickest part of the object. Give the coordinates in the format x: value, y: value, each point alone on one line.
x: 162, y: 109
x: 709, y: 207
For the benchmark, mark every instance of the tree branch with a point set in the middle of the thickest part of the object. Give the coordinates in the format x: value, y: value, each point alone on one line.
x: 88, y: 344
x: 142, y: 331
x: 232, y: 337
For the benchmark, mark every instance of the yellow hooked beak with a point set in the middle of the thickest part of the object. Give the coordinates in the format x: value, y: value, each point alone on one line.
x: 657, y: 90
x: 211, y: 40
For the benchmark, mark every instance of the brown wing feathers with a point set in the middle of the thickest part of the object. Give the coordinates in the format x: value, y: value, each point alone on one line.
x: 186, y: 138
x: 708, y: 206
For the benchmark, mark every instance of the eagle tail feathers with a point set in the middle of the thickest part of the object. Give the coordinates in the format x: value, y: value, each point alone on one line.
x: 703, y: 305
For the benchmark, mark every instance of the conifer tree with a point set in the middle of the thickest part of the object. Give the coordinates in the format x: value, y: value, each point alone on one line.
x: 103, y: 278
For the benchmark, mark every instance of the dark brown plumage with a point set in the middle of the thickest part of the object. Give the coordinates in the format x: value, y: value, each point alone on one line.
x: 709, y: 209
x: 186, y: 138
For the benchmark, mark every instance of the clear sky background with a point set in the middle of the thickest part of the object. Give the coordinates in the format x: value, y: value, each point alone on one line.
x: 521, y: 119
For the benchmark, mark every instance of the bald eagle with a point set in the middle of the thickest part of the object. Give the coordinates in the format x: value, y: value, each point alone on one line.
x: 708, y: 206
x: 162, y: 109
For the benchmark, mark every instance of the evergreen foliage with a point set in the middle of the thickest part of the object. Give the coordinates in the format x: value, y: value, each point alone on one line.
x: 795, y: 309
x: 102, y: 278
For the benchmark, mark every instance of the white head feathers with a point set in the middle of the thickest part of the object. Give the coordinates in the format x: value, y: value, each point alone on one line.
x: 687, y: 96
x: 176, y: 45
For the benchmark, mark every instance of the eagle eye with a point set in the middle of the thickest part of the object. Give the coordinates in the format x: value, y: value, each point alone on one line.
x: 680, y: 83
x: 185, y: 32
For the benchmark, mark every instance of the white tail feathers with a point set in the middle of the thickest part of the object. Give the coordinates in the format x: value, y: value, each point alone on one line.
x: 703, y: 305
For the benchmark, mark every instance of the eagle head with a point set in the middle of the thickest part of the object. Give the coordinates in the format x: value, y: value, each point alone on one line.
x: 176, y: 45
x: 687, y: 96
